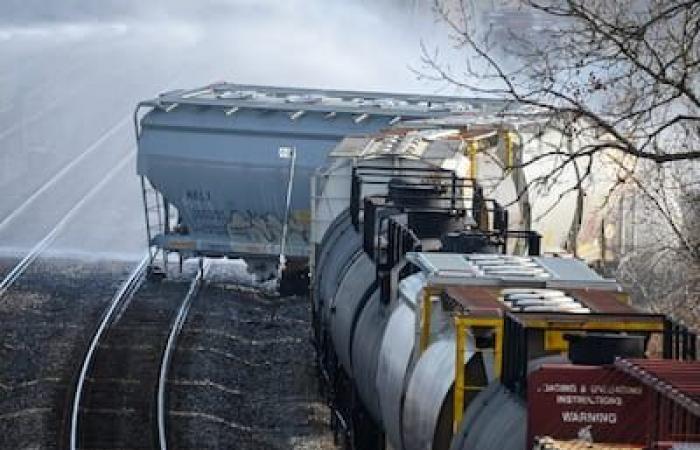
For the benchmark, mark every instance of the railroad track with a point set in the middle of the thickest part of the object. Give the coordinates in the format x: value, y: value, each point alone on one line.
x: 119, y: 399
x: 49, y: 238
x: 42, y: 244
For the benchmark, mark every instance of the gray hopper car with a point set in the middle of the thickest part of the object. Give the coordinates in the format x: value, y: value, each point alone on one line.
x: 216, y: 182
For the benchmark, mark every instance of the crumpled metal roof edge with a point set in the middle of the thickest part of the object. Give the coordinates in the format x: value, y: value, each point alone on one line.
x: 308, y: 99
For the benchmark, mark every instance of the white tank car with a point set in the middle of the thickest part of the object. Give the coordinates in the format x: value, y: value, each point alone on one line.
x: 405, y: 372
x: 343, y: 270
x: 367, y: 341
x: 539, y: 191
x: 397, y: 349
x: 439, y: 144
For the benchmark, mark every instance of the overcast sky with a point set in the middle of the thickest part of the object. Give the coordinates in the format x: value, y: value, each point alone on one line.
x: 27, y: 11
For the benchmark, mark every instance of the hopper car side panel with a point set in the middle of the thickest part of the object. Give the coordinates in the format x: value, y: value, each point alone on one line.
x: 227, y: 180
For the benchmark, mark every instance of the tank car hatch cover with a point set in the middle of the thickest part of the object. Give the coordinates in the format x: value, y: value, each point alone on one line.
x: 507, y: 270
x: 568, y: 269
x: 442, y: 264
x: 604, y: 301
x: 485, y: 301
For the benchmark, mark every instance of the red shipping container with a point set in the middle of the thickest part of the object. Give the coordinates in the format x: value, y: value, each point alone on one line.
x: 593, y: 403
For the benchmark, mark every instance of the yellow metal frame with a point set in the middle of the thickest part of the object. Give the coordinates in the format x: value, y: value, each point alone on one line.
x: 624, y: 297
x: 554, y: 328
x: 587, y: 325
x: 508, y: 143
x: 462, y: 324
x: 426, y: 312
x: 473, y: 150
x: 554, y: 341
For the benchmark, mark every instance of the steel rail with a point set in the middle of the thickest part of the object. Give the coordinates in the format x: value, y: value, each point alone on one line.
x: 106, y: 135
x: 169, y: 350
x: 58, y: 176
x: 34, y: 253
x: 121, y: 297
x: 21, y: 267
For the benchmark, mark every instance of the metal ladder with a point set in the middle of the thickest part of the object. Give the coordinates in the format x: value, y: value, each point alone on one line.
x: 152, y: 204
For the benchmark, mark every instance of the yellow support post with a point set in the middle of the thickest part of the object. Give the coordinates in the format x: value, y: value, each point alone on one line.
x: 462, y: 324
x: 508, y: 143
x: 554, y: 341
x: 498, y: 348
x: 472, y: 147
x: 460, y: 343
x: 426, y: 311
x: 624, y: 297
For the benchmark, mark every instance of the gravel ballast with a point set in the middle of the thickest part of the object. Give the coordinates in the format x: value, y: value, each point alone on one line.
x: 243, y: 375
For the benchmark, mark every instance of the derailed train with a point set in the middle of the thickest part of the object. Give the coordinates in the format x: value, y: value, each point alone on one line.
x: 437, y: 326
x: 430, y: 331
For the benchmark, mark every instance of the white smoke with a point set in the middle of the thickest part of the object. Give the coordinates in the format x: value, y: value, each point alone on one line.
x: 72, y: 69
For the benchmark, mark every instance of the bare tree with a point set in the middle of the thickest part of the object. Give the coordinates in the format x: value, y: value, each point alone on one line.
x: 629, y: 67
x: 626, y: 72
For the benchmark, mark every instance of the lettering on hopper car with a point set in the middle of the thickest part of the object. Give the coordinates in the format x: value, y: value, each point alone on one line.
x: 265, y: 227
x: 198, y: 195
x: 238, y: 224
x: 204, y: 214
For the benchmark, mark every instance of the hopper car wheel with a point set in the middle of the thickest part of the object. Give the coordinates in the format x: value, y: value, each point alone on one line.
x: 155, y: 273
x: 366, y: 435
x: 354, y: 424
x: 294, y: 282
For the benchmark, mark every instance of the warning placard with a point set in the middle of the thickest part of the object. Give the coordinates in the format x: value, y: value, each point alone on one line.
x: 595, y: 404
